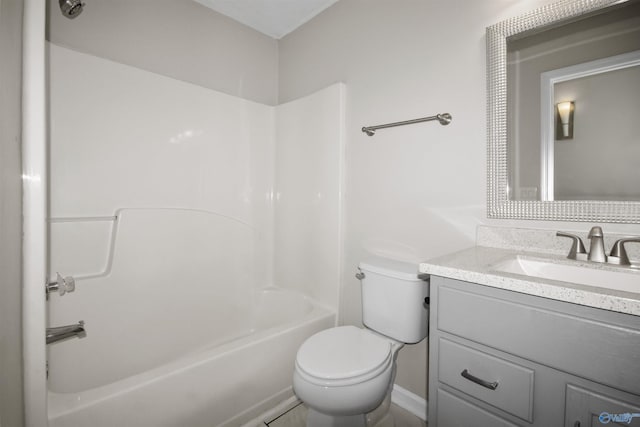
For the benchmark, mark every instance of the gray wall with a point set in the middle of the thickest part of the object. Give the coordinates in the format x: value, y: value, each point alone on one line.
x: 11, y: 407
x: 602, y: 161
x: 176, y: 38
x: 414, y: 192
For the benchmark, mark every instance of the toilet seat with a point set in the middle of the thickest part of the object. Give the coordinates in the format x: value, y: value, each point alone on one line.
x: 343, y: 356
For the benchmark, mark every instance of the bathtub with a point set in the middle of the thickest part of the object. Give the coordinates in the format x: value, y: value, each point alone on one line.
x: 180, y: 329
x: 223, y: 384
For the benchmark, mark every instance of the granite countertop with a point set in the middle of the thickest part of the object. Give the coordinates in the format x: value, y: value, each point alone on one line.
x: 476, y: 265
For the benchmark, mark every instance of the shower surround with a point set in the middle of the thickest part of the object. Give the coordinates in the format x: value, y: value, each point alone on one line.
x: 202, y: 229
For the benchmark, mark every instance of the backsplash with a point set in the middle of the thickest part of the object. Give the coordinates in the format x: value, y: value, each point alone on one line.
x: 539, y: 240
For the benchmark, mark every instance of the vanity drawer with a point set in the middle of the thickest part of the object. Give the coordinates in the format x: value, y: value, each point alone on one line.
x: 559, y: 335
x: 463, y: 368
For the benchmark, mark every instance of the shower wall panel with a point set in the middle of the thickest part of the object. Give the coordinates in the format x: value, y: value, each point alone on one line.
x: 309, y: 194
x: 121, y: 137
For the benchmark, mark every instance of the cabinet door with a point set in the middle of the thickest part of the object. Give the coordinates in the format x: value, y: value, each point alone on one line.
x: 587, y: 408
x: 456, y: 412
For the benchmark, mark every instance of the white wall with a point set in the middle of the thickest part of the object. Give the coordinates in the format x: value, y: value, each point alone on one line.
x: 180, y: 39
x: 414, y: 192
x: 11, y: 404
x: 308, y: 194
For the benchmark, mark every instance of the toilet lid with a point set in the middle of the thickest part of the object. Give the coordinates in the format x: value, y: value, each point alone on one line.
x: 343, y: 352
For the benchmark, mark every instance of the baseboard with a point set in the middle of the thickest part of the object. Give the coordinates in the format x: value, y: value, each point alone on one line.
x: 264, y: 411
x: 409, y: 402
x: 399, y: 396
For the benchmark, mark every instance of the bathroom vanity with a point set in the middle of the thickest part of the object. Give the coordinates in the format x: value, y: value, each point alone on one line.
x: 513, y: 350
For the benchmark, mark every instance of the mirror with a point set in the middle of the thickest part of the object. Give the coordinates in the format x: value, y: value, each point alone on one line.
x: 564, y: 113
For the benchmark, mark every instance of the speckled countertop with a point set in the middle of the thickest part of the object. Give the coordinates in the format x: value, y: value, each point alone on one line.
x: 477, y: 265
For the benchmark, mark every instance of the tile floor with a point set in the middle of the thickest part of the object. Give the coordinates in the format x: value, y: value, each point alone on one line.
x: 295, y: 417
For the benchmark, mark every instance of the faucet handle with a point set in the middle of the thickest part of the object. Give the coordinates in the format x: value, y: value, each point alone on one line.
x: 576, y: 248
x: 62, y: 284
x: 619, y: 253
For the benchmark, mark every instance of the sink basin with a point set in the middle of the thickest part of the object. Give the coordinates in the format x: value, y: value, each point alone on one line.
x: 610, y: 278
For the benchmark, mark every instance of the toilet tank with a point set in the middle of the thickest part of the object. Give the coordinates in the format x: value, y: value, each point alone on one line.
x: 393, y: 299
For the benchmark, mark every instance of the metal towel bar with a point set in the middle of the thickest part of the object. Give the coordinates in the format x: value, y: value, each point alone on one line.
x: 444, y: 119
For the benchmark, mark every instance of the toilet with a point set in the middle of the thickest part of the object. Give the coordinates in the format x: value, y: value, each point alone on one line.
x: 345, y: 374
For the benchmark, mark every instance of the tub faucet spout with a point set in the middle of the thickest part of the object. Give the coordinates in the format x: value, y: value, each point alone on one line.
x: 63, y: 332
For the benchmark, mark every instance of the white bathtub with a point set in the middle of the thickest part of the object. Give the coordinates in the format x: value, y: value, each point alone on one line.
x: 180, y: 332
x: 223, y: 384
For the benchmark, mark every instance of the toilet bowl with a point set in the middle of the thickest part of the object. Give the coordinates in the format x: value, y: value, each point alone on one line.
x: 344, y: 370
x: 344, y: 374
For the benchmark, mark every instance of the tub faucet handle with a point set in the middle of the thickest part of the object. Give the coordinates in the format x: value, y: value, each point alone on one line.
x: 61, y: 284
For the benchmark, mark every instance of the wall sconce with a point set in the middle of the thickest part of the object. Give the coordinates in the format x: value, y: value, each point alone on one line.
x: 564, y: 120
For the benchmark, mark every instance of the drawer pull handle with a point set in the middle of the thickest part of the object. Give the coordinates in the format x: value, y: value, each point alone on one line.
x: 483, y: 383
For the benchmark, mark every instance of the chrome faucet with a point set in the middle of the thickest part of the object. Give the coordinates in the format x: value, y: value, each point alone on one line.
x: 63, y: 332
x: 596, y: 247
x: 597, y: 252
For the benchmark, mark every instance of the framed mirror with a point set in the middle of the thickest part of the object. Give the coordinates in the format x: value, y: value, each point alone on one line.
x: 563, y: 113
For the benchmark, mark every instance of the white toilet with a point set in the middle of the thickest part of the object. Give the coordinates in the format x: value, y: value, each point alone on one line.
x: 345, y: 375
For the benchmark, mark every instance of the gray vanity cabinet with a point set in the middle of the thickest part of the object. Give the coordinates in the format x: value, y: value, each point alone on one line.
x: 588, y: 405
x: 502, y: 358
